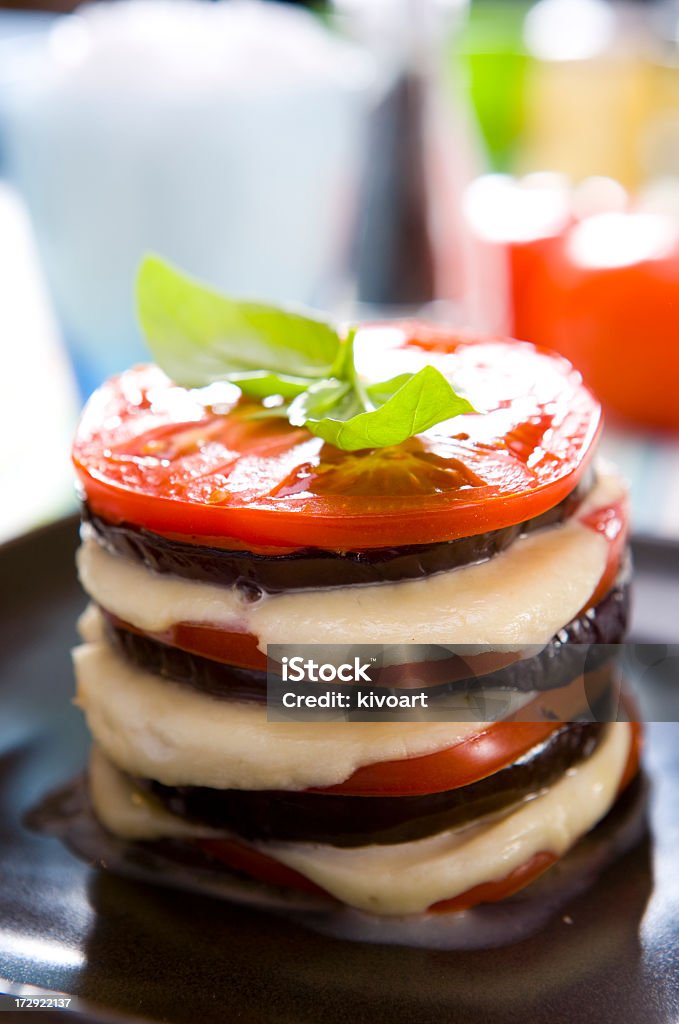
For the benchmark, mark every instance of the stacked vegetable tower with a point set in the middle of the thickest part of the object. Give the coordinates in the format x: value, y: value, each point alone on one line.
x: 277, y: 482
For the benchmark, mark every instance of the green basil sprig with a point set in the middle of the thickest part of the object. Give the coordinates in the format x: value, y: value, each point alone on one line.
x: 198, y: 336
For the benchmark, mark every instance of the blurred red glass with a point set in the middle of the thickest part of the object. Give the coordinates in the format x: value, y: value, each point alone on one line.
x: 602, y: 289
x: 605, y: 293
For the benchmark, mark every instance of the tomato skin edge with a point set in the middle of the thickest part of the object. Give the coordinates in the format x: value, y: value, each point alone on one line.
x: 474, y: 758
x: 258, y: 865
x: 287, y: 529
x: 499, y: 889
x: 156, y: 455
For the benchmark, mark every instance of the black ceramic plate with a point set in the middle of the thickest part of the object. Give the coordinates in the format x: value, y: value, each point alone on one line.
x: 137, y: 952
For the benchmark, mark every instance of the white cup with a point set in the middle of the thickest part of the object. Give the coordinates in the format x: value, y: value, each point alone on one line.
x: 226, y: 137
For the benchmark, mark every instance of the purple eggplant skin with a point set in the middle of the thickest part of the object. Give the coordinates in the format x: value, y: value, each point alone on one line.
x: 313, y: 568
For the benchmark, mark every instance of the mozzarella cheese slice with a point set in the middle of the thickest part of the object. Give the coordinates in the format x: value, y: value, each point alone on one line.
x: 130, y: 814
x: 158, y: 729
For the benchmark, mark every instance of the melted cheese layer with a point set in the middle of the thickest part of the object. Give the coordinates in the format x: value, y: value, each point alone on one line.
x: 157, y: 729
x: 409, y: 877
x: 130, y: 814
x: 415, y: 875
x: 522, y: 596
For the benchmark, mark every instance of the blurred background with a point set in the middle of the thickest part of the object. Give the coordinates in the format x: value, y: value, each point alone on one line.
x: 506, y: 166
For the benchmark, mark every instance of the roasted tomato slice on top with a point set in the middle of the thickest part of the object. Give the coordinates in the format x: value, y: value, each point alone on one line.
x: 206, y: 465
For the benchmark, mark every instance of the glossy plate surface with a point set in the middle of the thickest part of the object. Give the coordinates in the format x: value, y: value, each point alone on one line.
x: 136, y: 952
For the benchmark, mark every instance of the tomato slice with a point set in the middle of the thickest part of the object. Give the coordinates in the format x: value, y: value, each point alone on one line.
x: 634, y: 759
x: 473, y: 758
x: 479, y: 754
x: 196, y: 464
x: 612, y: 521
x: 241, y: 651
x: 257, y: 864
x: 493, y: 892
x: 206, y: 641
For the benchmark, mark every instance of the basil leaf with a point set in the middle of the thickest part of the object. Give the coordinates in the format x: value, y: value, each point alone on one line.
x: 260, y: 384
x: 423, y: 400
x: 382, y: 390
x: 320, y: 399
x: 199, y: 336
x: 343, y: 367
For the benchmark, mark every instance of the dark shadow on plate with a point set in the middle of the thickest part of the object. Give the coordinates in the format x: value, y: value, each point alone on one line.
x: 173, y: 955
